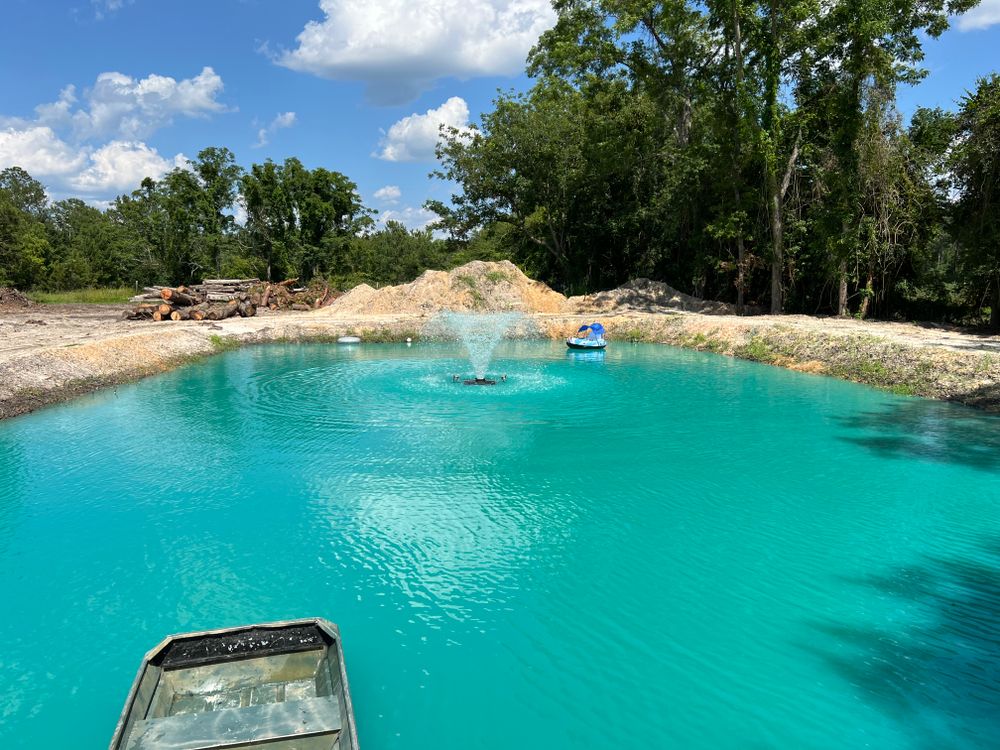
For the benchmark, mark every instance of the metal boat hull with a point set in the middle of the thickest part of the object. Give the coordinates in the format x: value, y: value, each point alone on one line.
x: 280, y: 685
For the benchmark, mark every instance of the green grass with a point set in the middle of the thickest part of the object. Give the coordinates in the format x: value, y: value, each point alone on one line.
x: 89, y: 296
x: 224, y: 345
x: 756, y: 350
x: 496, y: 277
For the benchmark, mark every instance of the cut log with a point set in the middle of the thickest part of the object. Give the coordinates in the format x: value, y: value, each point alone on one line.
x: 178, y: 297
x: 320, y: 300
x: 246, y: 309
x: 229, y: 282
x: 287, y: 282
x: 182, y: 314
x: 219, y: 296
x: 301, y: 307
x: 221, y: 312
x: 158, y: 316
x: 197, y: 314
x: 164, y: 309
x: 266, y: 297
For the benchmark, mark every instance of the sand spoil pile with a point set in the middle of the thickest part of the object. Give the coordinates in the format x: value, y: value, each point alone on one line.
x: 11, y: 299
x: 646, y: 296
x: 478, y: 286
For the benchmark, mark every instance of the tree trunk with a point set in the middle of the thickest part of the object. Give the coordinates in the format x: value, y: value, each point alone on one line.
x: 184, y: 314
x: 995, y: 307
x: 866, y: 299
x: 740, y: 245
x: 842, y: 291
x: 777, y: 246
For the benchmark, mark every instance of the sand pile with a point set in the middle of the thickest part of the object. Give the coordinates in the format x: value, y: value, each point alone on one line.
x: 477, y: 286
x: 501, y: 287
x: 11, y: 299
x: 644, y: 295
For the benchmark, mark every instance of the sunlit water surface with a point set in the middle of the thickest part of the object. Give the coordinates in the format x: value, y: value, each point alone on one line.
x: 646, y: 549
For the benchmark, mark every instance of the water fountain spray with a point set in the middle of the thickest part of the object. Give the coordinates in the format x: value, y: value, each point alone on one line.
x: 479, y: 333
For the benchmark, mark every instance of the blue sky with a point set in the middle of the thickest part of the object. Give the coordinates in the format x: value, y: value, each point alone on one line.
x: 97, y: 93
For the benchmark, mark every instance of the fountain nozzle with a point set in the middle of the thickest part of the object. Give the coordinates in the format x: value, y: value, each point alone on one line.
x: 480, y: 381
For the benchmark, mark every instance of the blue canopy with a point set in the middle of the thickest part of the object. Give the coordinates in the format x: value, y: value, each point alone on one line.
x: 596, y: 329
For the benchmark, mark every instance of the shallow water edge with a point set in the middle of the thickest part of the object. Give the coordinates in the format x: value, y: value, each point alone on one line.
x: 972, y: 377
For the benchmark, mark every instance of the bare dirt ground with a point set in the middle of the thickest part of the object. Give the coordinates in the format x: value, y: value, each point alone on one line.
x: 50, y: 353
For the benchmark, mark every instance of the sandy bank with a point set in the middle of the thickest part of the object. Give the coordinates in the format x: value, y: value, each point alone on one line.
x: 84, y: 348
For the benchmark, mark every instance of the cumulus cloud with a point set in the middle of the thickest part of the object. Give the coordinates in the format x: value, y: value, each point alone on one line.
x: 410, y: 217
x: 414, y: 137
x: 984, y: 15
x: 120, y: 166
x: 130, y: 108
x: 399, y: 48
x: 389, y: 194
x: 94, y: 148
x: 39, y: 151
x: 283, y: 120
x: 114, y: 167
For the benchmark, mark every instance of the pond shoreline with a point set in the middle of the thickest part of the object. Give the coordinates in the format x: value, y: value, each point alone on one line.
x: 80, y: 352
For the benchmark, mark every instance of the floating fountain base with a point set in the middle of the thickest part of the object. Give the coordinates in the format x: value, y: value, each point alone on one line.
x: 480, y: 381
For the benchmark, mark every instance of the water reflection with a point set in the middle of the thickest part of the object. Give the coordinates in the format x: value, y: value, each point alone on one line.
x: 934, y: 664
x: 916, y: 428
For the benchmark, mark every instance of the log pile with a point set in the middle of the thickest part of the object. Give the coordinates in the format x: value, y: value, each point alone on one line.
x: 215, y: 299
x: 286, y: 296
x: 218, y: 299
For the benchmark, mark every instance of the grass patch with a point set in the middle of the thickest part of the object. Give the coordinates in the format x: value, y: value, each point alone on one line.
x: 89, y: 296
x: 636, y: 336
x: 756, y: 350
x: 224, y: 345
x: 496, y: 277
x: 387, y: 336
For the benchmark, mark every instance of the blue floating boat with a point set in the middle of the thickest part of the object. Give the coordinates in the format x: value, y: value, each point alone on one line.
x: 594, y: 338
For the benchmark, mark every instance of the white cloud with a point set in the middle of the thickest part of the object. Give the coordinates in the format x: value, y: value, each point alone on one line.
x: 410, y: 217
x: 389, y: 194
x: 984, y: 15
x: 399, y: 48
x: 95, y: 149
x: 102, y: 7
x: 283, y: 120
x: 119, y: 166
x: 129, y: 108
x: 414, y: 137
x: 39, y: 151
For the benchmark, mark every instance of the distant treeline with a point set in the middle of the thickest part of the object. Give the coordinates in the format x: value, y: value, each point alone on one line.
x: 182, y: 228
x: 743, y: 150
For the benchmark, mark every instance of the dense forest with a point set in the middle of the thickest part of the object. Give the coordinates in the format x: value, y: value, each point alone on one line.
x: 744, y: 150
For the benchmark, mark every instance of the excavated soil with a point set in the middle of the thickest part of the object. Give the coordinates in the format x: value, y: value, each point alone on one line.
x: 12, y: 300
x: 51, y: 353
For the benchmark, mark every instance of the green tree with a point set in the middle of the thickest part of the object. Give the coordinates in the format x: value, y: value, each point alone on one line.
x: 976, y: 167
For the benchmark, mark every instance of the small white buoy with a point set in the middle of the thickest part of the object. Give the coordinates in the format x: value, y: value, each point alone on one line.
x: 349, y: 340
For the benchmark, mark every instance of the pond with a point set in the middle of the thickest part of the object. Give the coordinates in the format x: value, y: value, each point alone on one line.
x: 647, y: 548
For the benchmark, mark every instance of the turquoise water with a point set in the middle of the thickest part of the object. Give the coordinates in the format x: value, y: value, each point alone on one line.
x: 652, y: 549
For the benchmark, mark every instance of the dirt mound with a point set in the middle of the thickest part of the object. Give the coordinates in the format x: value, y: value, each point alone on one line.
x: 476, y: 286
x: 644, y: 295
x: 11, y: 299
